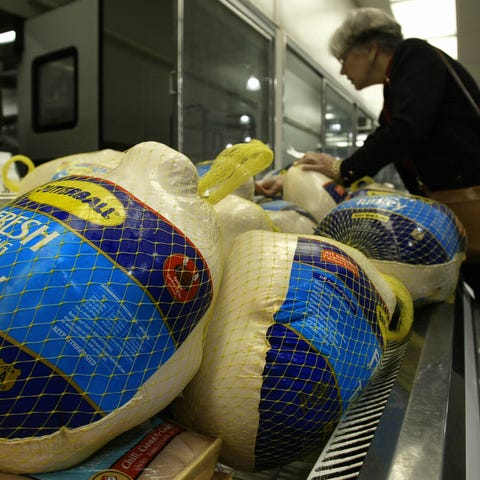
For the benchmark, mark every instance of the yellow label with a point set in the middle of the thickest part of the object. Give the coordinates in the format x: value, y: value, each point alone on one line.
x: 371, y: 216
x: 85, y: 200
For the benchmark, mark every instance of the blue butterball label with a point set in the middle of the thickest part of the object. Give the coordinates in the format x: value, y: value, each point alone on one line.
x: 97, y: 292
x: 393, y: 227
x: 325, y: 345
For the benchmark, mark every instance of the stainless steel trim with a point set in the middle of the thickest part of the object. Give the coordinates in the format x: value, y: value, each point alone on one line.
x: 280, y: 51
x: 252, y: 16
x: 472, y: 403
x: 410, y: 439
x: 179, y: 104
x: 420, y: 447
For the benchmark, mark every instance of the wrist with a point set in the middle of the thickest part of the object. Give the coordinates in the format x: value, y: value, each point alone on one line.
x: 335, y: 170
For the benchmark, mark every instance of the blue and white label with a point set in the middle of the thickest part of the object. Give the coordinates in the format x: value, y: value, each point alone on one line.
x: 325, y: 345
x: 395, y: 227
x: 97, y: 292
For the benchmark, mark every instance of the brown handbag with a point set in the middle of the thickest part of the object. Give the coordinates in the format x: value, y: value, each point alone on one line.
x: 465, y: 204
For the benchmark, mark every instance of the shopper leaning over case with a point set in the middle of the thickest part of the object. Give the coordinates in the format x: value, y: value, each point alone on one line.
x: 429, y: 127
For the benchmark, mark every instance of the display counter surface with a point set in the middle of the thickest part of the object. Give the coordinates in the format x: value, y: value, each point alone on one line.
x: 429, y: 427
x: 409, y: 442
x: 405, y: 438
x: 413, y: 419
x: 472, y: 390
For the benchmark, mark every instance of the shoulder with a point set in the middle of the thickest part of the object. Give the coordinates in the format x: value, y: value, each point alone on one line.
x: 414, y: 54
x: 414, y: 46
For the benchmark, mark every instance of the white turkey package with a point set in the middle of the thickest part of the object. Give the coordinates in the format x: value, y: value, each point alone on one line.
x: 87, y: 163
x: 289, y: 217
x: 414, y: 239
x: 298, y: 329
x: 106, y: 288
x: 313, y: 191
x: 237, y: 215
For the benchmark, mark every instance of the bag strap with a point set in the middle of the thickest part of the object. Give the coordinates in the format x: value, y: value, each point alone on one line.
x: 458, y: 80
x: 408, y: 166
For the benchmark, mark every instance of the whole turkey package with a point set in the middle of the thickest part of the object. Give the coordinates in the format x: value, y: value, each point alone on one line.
x: 298, y: 330
x: 237, y: 215
x: 86, y: 163
x: 414, y: 239
x: 312, y: 191
x: 107, y: 284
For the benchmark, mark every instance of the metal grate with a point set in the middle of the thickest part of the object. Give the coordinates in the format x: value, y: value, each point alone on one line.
x: 343, y: 455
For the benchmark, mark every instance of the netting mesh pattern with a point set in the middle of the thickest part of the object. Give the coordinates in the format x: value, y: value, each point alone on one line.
x: 416, y: 240
x: 296, y: 333
x: 396, y: 227
x: 95, y: 316
x: 245, y: 190
x: 233, y: 167
x: 313, y: 191
x: 106, y: 287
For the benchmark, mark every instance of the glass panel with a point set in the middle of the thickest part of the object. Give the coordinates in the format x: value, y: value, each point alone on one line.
x: 227, y: 85
x: 339, y: 124
x: 365, y: 125
x: 302, y: 122
x: 55, y: 92
x: 139, y: 56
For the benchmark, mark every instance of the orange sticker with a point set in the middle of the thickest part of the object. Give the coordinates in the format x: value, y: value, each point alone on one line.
x: 181, y: 277
x: 338, y: 259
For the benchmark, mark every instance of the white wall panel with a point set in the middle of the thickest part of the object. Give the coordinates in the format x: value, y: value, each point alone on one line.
x: 468, y: 34
x: 310, y: 24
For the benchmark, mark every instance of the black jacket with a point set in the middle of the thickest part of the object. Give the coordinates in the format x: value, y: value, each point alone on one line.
x: 426, y: 121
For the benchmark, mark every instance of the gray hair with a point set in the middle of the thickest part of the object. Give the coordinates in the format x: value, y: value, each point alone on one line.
x: 363, y: 25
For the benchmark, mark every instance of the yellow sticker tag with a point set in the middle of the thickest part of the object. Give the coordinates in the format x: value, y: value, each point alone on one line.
x: 86, y: 200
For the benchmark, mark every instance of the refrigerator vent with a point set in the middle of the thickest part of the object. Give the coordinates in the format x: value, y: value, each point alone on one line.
x: 343, y: 456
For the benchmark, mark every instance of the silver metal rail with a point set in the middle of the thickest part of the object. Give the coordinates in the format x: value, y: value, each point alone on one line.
x: 472, y: 391
x: 408, y: 440
x: 419, y: 446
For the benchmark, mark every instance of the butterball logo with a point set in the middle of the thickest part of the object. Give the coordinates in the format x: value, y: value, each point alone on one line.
x: 391, y: 203
x: 85, y: 200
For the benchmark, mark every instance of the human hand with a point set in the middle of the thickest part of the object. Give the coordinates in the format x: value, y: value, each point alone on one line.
x: 320, y: 162
x: 270, y: 186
